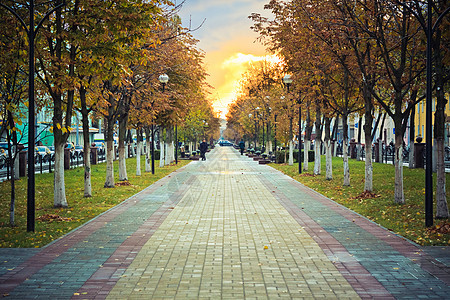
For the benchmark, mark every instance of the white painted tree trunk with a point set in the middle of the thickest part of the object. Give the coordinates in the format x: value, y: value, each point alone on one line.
x: 122, y: 164
x: 148, y: 158
x: 441, y: 197
x: 291, y: 153
x: 87, y: 173
x: 345, y: 160
x: 109, y: 181
x: 270, y: 147
x: 328, y: 161
x: 399, y: 196
x: 59, y: 189
x: 317, y: 160
x: 170, y: 153
x: 358, y: 152
x: 368, y: 183
x: 138, y: 159
x: 162, y: 154
x: 305, y: 155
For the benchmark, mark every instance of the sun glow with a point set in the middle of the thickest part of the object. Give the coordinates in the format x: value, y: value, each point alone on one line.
x: 232, y: 69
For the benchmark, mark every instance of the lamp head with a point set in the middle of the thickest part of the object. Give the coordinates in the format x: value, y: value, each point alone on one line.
x: 287, y: 79
x: 164, y: 78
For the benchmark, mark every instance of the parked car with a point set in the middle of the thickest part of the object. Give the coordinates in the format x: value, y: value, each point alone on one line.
x: 3, y: 158
x: 225, y: 143
x: 52, y: 152
x: 79, y: 150
x: 42, y: 152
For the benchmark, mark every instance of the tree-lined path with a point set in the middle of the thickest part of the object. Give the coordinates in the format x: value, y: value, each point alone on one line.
x: 226, y: 228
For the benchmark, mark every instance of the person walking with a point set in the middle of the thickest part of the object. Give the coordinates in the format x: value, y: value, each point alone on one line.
x: 203, y: 149
x: 242, y: 146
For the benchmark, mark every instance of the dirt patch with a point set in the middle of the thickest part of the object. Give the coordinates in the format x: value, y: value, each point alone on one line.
x: 53, y: 218
x: 366, y: 195
x: 123, y: 183
x: 442, y: 229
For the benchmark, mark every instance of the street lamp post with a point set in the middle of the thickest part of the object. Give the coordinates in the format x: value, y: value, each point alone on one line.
x: 163, y: 79
x: 257, y: 114
x: 31, y: 31
x: 275, y: 134
x: 299, y: 136
x: 254, y: 137
x: 287, y: 80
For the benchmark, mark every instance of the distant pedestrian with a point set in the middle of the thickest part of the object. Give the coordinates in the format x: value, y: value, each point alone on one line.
x: 203, y: 149
x: 242, y: 146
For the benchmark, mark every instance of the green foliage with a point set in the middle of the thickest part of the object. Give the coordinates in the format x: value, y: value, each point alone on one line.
x: 53, y: 223
x: 407, y: 220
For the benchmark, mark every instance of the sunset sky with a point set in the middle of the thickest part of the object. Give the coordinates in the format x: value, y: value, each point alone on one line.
x: 227, y: 39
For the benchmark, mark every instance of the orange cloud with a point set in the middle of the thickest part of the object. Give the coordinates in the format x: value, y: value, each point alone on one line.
x: 226, y: 64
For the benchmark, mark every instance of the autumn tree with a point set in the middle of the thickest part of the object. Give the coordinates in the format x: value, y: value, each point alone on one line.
x: 13, y: 83
x: 440, y: 62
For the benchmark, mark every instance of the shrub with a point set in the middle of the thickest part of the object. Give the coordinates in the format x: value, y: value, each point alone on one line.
x: 279, y: 156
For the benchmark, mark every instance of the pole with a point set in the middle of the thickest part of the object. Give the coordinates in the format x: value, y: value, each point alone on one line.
x: 428, y: 131
x: 300, y: 139
x: 275, y: 135
x: 255, y: 132
x: 176, y: 144
x: 31, y: 128
x: 31, y: 32
x: 153, y: 150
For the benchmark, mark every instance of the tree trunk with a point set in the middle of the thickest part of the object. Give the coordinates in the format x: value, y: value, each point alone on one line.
x: 358, y: 145
x: 13, y: 154
x: 328, y: 150
x: 291, y: 153
x: 306, y: 154
x: 109, y: 137
x: 318, y: 142
x: 59, y: 199
x: 334, y: 134
x: 162, y: 154
x: 169, y: 155
x: 368, y: 120
x: 412, y: 126
x: 344, y: 151
x: 399, y: 196
x: 148, y: 140
x: 308, y: 129
x: 86, y: 144
x: 368, y: 165
x: 122, y: 160
x: 138, y: 156
x: 439, y: 129
x: 441, y: 198
x: 380, y: 139
x: 317, y: 157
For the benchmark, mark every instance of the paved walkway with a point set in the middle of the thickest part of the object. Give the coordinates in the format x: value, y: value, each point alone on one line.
x: 227, y: 228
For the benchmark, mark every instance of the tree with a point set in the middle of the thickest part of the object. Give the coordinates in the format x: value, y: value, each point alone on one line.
x: 12, y: 94
x: 438, y: 38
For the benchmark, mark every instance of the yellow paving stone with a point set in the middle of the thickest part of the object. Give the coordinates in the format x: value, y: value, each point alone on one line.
x: 229, y: 238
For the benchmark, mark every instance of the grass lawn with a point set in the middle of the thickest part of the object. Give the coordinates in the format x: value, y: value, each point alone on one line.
x: 52, y: 223
x: 407, y: 220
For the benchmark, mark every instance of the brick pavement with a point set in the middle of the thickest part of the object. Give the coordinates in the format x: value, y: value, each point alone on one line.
x: 227, y: 228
